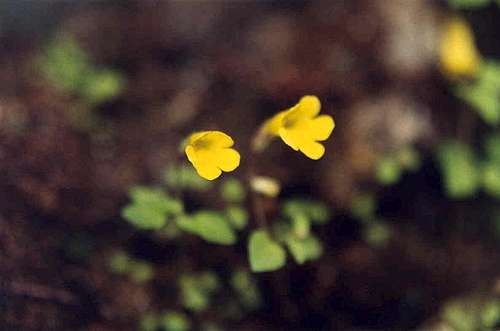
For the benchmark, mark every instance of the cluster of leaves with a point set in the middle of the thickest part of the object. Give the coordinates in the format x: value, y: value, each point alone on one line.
x: 483, y: 93
x: 156, y: 209
x: 293, y: 230
x: 68, y: 67
x: 469, y: 314
x: 197, y: 295
x: 464, y: 172
x: 391, y: 167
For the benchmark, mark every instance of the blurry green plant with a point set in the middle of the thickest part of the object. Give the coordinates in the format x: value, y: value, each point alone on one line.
x: 196, y: 290
x: 471, y: 314
x: 158, y: 210
x: 246, y: 288
x: 391, y: 167
x: 68, y: 67
x: 138, y: 271
x: 464, y: 172
x: 459, y: 168
x: 483, y: 93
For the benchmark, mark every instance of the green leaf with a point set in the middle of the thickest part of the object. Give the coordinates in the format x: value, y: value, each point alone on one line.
x: 483, y: 100
x: 196, y: 290
x: 461, y: 316
x: 468, y: 4
x: 102, y: 86
x: 264, y: 253
x: 209, y: 225
x: 388, y: 171
x: 301, y: 226
x: 175, y: 321
x: 491, y: 178
x: 143, y: 217
x: 492, y: 148
x: 490, y: 314
x: 246, y: 288
x: 237, y: 217
x: 315, y: 211
x: 233, y: 191
x: 120, y: 263
x: 304, y: 250
x: 150, y: 208
x: 65, y: 64
x: 459, y: 170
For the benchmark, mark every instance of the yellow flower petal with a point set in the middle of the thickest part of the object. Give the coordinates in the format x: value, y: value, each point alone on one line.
x: 321, y: 127
x: 210, y: 154
x: 208, y: 171
x: 310, y: 105
x: 218, y: 139
x: 312, y: 149
x: 274, y: 124
x: 191, y: 154
x: 228, y: 159
x: 289, y: 138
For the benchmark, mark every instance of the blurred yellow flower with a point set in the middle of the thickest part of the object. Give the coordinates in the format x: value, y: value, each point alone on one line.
x: 459, y: 56
x: 210, y: 153
x: 300, y: 127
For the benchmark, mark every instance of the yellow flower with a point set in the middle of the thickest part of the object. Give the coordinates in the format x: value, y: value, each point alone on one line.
x: 300, y: 127
x: 459, y: 56
x: 210, y: 153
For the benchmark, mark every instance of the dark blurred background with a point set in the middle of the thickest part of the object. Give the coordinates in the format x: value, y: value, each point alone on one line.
x: 96, y: 96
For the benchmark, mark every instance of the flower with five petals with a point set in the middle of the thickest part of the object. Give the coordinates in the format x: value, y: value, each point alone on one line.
x: 210, y: 153
x: 301, y: 128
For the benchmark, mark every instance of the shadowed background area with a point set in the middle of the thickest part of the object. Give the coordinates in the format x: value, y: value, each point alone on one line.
x: 97, y: 97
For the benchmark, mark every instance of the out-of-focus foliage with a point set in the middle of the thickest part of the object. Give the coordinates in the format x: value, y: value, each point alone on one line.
x: 150, y: 208
x: 155, y: 209
x: 465, y: 172
x: 138, y: 271
x: 209, y: 225
x: 245, y: 286
x: 391, y: 167
x: 469, y: 314
x: 66, y: 65
x: 232, y: 190
x: 459, y: 169
x: 196, y: 290
x: 483, y: 94
x: 264, y: 253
